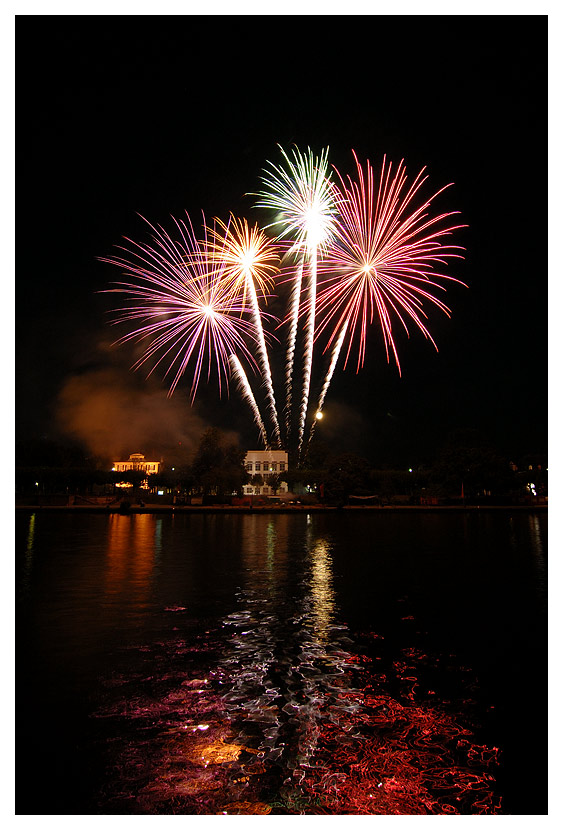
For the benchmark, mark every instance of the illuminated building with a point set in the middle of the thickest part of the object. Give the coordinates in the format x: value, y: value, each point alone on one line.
x: 266, y: 463
x: 137, y: 462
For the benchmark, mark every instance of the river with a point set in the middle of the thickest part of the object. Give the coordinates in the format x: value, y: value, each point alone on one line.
x: 343, y: 664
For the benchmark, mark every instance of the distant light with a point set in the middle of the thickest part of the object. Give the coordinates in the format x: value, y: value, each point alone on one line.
x: 37, y: 484
x: 160, y: 492
x: 410, y: 469
x: 113, y: 469
x: 319, y: 416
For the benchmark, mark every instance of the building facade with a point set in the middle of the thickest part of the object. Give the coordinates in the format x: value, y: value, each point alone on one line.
x: 137, y: 462
x: 266, y: 463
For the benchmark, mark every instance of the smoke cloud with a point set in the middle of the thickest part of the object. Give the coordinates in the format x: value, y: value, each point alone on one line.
x: 113, y: 415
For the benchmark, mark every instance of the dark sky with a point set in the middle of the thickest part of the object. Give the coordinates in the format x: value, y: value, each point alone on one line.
x: 158, y: 115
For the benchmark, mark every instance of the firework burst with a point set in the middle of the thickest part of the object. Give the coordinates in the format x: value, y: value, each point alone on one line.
x: 246, y: 258
x: 183, y: 305
x: 195, y: 303
x: 384, y: 259
x: 244, y: 255
x: 303, y: 198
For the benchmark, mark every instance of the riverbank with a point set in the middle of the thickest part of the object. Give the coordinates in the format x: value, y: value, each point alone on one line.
x: 294, y: 508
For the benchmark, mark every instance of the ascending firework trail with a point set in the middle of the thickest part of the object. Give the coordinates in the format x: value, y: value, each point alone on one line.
x: 358, y: 252
x: 303, y: 197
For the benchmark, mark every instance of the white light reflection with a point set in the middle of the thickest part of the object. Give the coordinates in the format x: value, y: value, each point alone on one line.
x: 29, y: 551
x: 270, y: 546
x: 158, y: 540
x: 322, y: 592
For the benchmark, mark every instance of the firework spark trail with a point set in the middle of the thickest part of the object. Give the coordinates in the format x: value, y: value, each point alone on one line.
x: 328, y: 378
x: 304, y: 198
x: 382, y: 259
x: 198, y: 302
x: 188, y: 313
x: 264, y: 361
x: 246, y: 391
x: 292, y: 336
x: 308, y: 349
x: 247, y: 256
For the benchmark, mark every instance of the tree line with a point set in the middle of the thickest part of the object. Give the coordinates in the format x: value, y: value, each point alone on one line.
x: 467, y: 466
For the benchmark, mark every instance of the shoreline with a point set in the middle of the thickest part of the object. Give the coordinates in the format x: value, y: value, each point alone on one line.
x: 297, y: 508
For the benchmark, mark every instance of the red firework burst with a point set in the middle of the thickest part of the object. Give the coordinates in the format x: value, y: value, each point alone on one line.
x: 383, y: 259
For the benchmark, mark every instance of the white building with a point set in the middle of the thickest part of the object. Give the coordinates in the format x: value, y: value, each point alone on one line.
x: 265, y: 463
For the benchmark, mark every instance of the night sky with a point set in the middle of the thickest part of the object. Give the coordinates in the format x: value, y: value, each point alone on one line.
x: 119, y: 116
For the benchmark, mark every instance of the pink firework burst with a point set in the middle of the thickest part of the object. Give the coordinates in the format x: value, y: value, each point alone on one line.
x: 183, y: 305
x: 384, y: 259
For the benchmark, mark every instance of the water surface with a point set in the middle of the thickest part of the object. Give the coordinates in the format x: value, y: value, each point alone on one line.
x: 373, y: 663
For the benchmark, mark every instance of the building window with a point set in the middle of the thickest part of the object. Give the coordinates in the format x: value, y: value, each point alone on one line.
x: 274, y: 466
x: 257, y: 466
x: 282, y: 466
x: 248, y: 466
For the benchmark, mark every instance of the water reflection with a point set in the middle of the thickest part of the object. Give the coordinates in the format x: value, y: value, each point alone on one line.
x: 158, y: 540
x: 133, y: 545
x: 28, y: 558
x: 278, y: 707
x: 322, y: 592
x: 540, y: 560
x: 286, y: 665
x: 270, y: 546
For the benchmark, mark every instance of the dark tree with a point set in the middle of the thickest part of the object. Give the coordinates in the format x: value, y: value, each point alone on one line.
x: 318, y: 456
x: 275, y: 480
x: 346, y: 474
x: 218, y: 469
x: 469, y: 460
